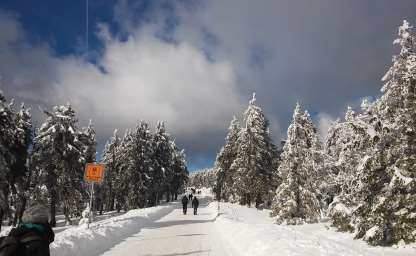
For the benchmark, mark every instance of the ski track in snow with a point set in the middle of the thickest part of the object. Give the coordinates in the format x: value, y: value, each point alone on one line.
x: 176, y: 234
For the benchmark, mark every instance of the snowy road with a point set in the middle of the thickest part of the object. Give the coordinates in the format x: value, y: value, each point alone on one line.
x: 176, y: 234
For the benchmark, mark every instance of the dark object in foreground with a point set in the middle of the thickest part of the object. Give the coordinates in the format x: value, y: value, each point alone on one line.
x: 32, y: 237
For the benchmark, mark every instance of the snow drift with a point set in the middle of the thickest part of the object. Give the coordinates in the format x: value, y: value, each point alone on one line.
x: 104, y: 234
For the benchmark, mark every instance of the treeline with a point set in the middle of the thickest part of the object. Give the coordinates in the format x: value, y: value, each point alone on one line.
x: 203, y: 178
x: 46, y: 164
x: 142, y: 168
x: 363, y: 176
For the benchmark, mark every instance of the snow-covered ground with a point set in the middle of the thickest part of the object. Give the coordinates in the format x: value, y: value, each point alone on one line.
x: 234, y: 230
x: 105, y: 234
x: 251, y: 232
x: 176, y: 234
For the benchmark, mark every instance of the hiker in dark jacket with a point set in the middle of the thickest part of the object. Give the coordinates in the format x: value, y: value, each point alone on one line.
x: 195, y: 204
x: 32, y: 237
x: 185, y: 204
x: 190, y: 197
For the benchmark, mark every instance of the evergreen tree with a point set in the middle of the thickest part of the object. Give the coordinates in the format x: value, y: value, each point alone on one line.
x: 20, y: 148
x: 387, y: 182
x: 7, y: 134
x: 296, y: 198
x: 88, y: 150
x: 15, y: 141
x: 109, y: 159
x: 253, y: 166
x: 121, y: 180
x: 162, y: 170
x: 140, y: 164
x: 59, y: 154
x: 224, y: 159
x: 346, y: 144
x: 180, y: 171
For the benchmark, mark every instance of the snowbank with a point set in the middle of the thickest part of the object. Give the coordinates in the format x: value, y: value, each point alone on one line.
x: 104, y: 234
x: 247, y: 231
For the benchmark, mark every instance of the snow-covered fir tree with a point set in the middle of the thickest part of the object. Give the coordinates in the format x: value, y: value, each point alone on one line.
x: 59, y: 156
x: 86, y: 136
x: 109, y: 159
x: 203, y: 178
x: 387, y: 183
x: 121, y: 180
x: 15, y: 141
x: 254, y: 165
x: 140, y: 165
x: 22, y: 142
x: 224, y: 159
x: 180, y: 171
x: 346, y: 144
x: 296, y: 198
x: 162, y: 170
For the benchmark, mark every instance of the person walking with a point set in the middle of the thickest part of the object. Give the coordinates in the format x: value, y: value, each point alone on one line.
x: 190, y: 197
x: 184, y: 204
x: 32, y: 237
x: 195, y: 204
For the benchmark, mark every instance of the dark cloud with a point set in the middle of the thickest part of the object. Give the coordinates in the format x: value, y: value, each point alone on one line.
x: 326, y: 54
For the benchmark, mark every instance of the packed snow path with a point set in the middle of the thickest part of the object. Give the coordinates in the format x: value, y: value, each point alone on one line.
x: 176, y: 234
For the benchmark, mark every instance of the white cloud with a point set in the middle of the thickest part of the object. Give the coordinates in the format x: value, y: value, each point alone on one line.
x: 145, y: 78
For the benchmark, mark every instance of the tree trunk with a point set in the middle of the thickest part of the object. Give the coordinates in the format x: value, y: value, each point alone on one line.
x: 53, y: 209
x: 167, y: 196
x: 113, y: 198
x: 1, y: 218
x: 68, y: 220
x: 110, y: 200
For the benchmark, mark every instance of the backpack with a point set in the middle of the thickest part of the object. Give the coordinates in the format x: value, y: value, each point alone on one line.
x: 9, y: 245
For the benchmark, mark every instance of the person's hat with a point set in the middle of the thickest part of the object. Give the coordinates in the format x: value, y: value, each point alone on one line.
x: 37, y: 213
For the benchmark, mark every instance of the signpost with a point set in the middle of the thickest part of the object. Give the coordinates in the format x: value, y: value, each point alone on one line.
x: 94, y: 173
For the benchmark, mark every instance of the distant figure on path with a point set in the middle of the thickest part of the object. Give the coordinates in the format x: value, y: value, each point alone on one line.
x: 32, y: 237
x: 184, y: 204
x: 195, y: 204
x: 190, y: 197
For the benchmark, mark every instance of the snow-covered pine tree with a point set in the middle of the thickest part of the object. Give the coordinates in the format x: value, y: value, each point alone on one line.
x: 21, y: 146
x: 58, y: 153
x: 140, y: 165
x: 162, y: 170
x: 180, y: 171
x: 7, y: 135
x: 296, y: 199
x: 121, y: 180
x: 253, y: 166
x: 204, y: 178
x: 317, y: 158
x: 89, y: 143
x: 224, y: 159
x: 346, y: 144
x: 87, y: 138
x: 387, y: 184
x: 109, y: 159
x: 15, y: 141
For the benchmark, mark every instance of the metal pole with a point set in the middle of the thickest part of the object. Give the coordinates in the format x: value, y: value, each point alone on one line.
x: 91, y: 196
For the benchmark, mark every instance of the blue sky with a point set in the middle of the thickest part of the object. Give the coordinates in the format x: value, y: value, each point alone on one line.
x: 194, y: 63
